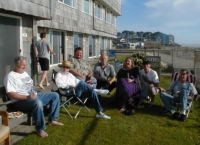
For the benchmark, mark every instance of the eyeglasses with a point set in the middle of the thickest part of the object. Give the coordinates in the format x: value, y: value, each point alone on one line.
x: 66, y: 67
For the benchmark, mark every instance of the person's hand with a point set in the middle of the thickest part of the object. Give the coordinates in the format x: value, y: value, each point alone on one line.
x: 54, y: 53
x: 84, y: 77
x: 130, y: 100
x: 32, y: 96
x: 145, y: 78
x: 130, y: 80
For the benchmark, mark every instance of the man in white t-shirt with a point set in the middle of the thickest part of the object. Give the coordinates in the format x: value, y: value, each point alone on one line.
x: 19, y: 88
x: 149, y: 83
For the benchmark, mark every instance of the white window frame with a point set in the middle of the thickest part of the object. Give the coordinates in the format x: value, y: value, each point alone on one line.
x: 107, y: 16
x: 96, y: 14
x: 90, y: 7
x: 63, y: 2
x: 113, y: 19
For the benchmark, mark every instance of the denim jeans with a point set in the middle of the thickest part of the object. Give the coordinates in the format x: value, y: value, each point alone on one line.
x: 83, y: 89
x: 36, y: 107
x: 94, y: 81
x: 167, y: 98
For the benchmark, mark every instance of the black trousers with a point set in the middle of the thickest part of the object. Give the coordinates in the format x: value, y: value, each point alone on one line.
x: 105, y: 84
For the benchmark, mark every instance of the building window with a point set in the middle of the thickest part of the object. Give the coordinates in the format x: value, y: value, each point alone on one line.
x: 98, y: 11
x: 67, y: 2
x: 101, y: 43
x: 119, y: 1
x: 86, y: 6
x: 107, y: 16
x: 114, y: 20
x: 91, y: 46
x: 78, y: 40
x: 56, y: 40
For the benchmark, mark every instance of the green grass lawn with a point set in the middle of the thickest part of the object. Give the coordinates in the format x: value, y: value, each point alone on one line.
x: 146, y: 127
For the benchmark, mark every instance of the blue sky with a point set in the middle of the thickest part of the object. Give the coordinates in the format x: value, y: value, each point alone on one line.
x: 180, y: 18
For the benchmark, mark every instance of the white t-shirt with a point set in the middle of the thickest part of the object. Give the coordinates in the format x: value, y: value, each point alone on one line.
x: 151, y: 75
x: 63, y: 80
x: 21, y: 84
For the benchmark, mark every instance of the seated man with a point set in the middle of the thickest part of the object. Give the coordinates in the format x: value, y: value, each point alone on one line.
x: 19, y: 87
x: 102, y: 72
x: 149, y: 83
x: 81, y: 68
x: 182, y: 91
x: 65, y: 79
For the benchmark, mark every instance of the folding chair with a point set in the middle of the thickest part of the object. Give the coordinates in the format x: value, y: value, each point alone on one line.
x: 66, y: 95
x: 192, y: 79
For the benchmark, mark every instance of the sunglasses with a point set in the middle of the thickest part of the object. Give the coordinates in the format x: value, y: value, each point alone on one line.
x: 66, y: 67
x: 184, y: 74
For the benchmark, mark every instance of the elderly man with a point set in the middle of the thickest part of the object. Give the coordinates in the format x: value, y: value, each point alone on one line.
x: 65, y: 79
x: 105, y: 74
x: 182, y: 92
x: 82, y: 69
x: 149, y: 83
x: 19, y: 87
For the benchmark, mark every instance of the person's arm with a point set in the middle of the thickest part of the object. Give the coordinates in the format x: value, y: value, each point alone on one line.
x: 16, y: 96
x: 35, y: 53
x: 112, y: 80
x: 51, y: 51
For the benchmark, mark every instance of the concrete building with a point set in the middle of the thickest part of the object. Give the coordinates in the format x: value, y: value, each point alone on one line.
x: 90, y: 24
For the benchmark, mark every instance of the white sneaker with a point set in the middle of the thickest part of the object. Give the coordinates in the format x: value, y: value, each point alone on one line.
x: 102, y: 92
x: 103, y: 116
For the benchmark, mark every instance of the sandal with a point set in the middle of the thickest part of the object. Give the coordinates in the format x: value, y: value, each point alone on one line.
x: 42, y: 133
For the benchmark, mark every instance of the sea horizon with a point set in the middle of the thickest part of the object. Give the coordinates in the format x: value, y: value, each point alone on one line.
x: 190, y: 45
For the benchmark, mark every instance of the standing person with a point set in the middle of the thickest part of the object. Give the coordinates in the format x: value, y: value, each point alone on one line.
x: 65, y: 79
x: 82, y: 69
x: 128, y: 89
x: 19, y: 88
x: 149, y: 83
x: 105, y: 74
x: 42, y: 51
x: 182, y: 92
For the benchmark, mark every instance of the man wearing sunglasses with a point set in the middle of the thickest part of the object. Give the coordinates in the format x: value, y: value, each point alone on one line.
x: 181, y: 92
x: 64, y: 79
x: 19, y: 88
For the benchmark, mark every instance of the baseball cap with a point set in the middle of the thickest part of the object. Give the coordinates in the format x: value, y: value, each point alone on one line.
x: 145, y: 61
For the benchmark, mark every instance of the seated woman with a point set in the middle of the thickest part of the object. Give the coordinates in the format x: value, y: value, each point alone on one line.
x: 128, y: 89
x: 64, y: 79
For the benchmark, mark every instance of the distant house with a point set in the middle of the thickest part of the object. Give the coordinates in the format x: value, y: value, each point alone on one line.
x: 164, y: 38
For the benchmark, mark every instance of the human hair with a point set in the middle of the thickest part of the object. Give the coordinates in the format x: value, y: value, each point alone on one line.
x: 124, y: 65
x: 78, y: 49
x: 18, y: 58
x: 103, y: 55
x: 182, y: 70
x: 42, y: 35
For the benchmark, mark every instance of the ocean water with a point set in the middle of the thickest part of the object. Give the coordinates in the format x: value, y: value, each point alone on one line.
x: 190, y: 45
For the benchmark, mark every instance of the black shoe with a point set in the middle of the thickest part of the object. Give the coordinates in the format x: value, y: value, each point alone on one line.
x: 183, y: 118
x: 176, y: 116
x: 164, y: 111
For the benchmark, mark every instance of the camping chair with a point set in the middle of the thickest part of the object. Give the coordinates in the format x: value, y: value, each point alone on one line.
x: 192, y: 79
x: 66, y: 95
x: 4, y: 128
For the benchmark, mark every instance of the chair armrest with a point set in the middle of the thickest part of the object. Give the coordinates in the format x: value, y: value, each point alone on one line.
x: 196, y: 97
x: 5, y: 117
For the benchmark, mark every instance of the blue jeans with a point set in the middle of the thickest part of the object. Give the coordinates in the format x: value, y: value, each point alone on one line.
x: 36, y: 107
x: 94, y: 81
x: 167, y: 99
x: 83, y: 89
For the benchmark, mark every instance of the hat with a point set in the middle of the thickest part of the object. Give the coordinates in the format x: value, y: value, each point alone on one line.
x: 65, y: 64
x: 145, y: 61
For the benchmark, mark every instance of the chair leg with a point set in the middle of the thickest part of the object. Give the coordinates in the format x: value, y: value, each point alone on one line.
x: 29, y: 118
x: 7, y: 141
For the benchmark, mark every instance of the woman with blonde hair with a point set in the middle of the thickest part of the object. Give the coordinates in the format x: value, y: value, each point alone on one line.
x: 128, y: 89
